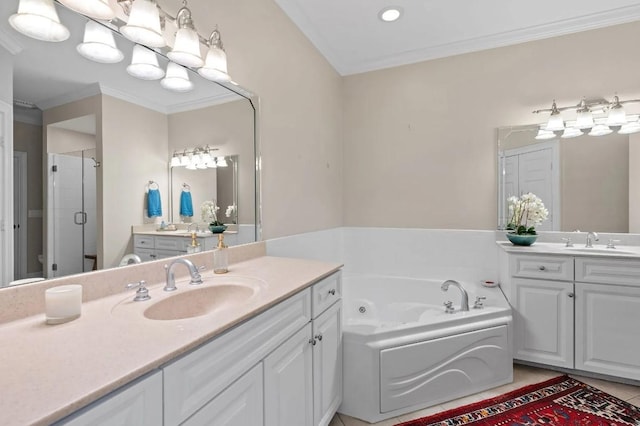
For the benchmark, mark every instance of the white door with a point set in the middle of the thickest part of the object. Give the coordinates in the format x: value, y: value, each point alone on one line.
x: 241, y: 404
x: 327, y: 364
x: 288, y: 382
x: 510, y: 185
x: 543, y: 321
x: 19, y: 215
x: 607, y: 318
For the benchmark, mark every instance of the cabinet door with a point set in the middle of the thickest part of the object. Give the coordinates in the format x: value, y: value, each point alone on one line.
x: 146, y: 254
x: 327, y: 364
x: 241, y: 404
x: 543, y: 321
x: 607, y: 318
x: 139, y: 404
x: 288, y: 385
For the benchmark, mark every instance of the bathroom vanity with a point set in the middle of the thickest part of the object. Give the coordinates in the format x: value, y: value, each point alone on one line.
x: 272, y: 358
x: 575, y: 308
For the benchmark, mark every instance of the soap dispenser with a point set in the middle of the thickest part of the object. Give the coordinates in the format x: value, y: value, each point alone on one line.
x: 194, y: 247
x: 221, y: 257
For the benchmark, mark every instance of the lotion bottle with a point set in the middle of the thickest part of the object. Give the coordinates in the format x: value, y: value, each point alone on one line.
x: 221, y: 257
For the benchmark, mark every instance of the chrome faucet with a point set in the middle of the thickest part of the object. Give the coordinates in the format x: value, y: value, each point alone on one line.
x: 464, y: 304
x: 591, y: 236
x: 171, y: 279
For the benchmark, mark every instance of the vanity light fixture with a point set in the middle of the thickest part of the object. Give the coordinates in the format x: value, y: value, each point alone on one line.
x: 38, y: 19
x: 186, y: 49
x: 175, y: 160
x: 144, y: 25
x: 192, y: 159
x: 99, y: 45
x: 144, y: 64
x: 544, y: 134
x: 176, y: 78
x: 215, y: 66
x: 390, y: 14
x: 595, y: 117
x: 221, y: 162
x: 96, y: 9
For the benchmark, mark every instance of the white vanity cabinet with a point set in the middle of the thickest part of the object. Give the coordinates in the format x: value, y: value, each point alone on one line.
x: 137, y: 404
x: 153, y: 247
x: 577, y: 312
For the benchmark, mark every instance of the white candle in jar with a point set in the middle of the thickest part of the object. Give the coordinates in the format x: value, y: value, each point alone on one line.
x: 63, y: 303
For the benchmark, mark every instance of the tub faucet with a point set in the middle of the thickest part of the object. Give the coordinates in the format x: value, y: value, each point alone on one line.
x: 591, y: 236
x: 171, y: 279
x: 464, y: 304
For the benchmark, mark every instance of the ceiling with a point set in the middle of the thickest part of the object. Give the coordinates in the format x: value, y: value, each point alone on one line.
x: 353, y: 39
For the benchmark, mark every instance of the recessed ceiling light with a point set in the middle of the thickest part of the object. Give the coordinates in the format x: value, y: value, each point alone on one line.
x: 390, y: 14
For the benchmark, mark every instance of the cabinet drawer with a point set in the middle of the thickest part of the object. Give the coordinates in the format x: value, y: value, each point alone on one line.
x: 168, y: 243
x: 325, y: 292
x: 542, y: 267
x: 146, y: 254
x: 195, y: 379
x: 143, y: 241
x: 608, y: 271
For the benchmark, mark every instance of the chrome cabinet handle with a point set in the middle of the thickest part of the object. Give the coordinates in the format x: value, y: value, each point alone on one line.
x: 571, y: 294
x: 332, y: 292
x: 542, y: 268
x: 319, y: 337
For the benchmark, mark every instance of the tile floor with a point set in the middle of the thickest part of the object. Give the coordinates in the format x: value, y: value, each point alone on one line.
x: 522, y: 376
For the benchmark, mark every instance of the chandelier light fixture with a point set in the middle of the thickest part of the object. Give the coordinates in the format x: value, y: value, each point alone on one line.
x: 146, y: 24
x: 592, y: 117
x: 197, y: 158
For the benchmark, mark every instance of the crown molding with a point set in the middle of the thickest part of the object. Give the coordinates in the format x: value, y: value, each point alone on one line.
x: 10, y: 42
x: 85, y: 92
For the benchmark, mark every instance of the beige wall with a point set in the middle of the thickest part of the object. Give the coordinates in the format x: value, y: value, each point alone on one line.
x: 420, y: 140
x: 229, y: 128
x: 595, y: 183
x: 64, y: 140
x: 134, y: 151
x: 28, y: 138
x: 300, y: 112
x: 634, y: 183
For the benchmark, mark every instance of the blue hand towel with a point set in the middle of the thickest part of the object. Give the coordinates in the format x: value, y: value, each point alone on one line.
x: 154, y: 206
x: 186, y: 205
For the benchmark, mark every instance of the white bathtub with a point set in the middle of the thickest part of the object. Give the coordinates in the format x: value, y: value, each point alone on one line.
x: 402, y: 352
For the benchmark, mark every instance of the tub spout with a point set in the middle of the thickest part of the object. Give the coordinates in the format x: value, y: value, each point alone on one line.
x: 464, y: 304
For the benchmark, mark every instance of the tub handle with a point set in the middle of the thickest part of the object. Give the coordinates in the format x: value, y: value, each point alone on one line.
x: 313, y: 341
x: 319, y: 337
x: 332, y: 292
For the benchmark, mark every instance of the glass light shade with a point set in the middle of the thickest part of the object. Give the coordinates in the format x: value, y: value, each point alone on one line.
x: 144, y: 64
x: 177, y: 79
x: 617, y: 116
x: 99, y: 45
x: 212, y: 164
x: 186, y: 49
x: 600, y: 130
x: 584, y: 120
x: 192, y: 166
x: 215, y: 66
x: 175, y: 161
x: 206, y: 157
x: 221, y: 162
x: 571, y: 132
x: 144, y: 24
x: 545, y: 134
x: 555, y: 123
x: 185, y: 160
x: 628, y: 128
x: 97, y: 9
x: 38, y: 19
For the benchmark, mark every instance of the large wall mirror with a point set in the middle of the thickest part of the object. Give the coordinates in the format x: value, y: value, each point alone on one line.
x: 90, y: 140
x: 586, y: 182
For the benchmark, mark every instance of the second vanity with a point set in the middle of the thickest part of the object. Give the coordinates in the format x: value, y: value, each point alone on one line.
x: 273, y: 359
x: 574, y: 308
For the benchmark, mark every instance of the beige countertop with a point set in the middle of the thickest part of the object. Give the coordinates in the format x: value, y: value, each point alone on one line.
x: 577, y: 250
x: 48, y: 372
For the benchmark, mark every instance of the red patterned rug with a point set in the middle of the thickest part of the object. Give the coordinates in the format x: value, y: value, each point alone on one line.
x: 559, y: 401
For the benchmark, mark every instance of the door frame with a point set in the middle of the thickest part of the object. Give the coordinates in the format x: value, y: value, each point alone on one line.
x: 6, y: 196
x: 21, y: 207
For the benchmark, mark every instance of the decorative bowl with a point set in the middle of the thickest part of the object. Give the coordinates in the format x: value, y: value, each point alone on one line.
x: 217, y: 229
x: 521, y: 239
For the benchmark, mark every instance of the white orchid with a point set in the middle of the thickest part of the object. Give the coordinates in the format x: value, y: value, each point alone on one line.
x: 209, y: 211
x: 525, y: 213
x: 231, y: 210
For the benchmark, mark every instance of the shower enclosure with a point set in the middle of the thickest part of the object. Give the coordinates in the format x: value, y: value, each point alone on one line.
x: 72, y: 215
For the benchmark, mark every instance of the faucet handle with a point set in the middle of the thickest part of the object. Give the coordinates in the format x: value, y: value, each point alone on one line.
x: 479, y: 304
x: 612, y: 243
x: 568, y: 242
x: 196, y: 278
x: 142, y: 293
x: 448, y: 307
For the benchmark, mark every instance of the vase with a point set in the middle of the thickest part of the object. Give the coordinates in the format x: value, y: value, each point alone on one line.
x: 521, y: 239
x: 217, y: 229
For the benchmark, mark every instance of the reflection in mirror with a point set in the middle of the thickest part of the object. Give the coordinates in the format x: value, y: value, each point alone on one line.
x: 583, y: 181
x: 112, y: 134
